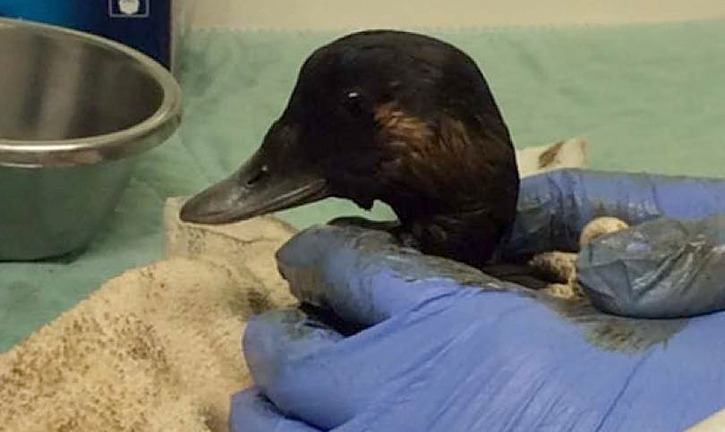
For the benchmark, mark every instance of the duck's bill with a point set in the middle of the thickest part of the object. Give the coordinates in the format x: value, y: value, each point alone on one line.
x: 252, y: 192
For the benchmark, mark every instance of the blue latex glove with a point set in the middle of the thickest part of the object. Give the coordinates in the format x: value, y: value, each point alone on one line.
x: 431, y: 345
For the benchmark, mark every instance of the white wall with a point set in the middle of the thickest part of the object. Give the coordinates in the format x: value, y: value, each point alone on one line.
x: 343, y: 14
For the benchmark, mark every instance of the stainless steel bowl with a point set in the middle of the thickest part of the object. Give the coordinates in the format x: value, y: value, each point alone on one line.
x: 76, y: 110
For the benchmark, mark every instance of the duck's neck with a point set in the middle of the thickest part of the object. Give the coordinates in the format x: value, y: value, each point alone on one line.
x: 453, y: 183
x: 468, y: 236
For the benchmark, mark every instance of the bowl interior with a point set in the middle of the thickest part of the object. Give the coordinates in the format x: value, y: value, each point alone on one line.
x: 60, y: 86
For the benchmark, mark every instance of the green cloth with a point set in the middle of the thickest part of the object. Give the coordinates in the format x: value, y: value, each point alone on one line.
x: 648, y: 98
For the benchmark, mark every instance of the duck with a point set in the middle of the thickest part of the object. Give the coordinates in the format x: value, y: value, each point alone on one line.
x: 392, y: 116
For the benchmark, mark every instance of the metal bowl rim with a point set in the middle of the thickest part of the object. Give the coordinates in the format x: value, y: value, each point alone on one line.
x: 109, y: 146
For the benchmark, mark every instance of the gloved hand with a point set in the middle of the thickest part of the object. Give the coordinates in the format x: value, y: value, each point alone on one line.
x: 399, y: 341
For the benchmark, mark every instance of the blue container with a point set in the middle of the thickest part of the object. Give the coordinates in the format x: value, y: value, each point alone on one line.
x: 150, y: 26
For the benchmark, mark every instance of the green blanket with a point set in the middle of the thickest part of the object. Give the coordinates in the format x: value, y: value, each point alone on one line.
x: 648, y: 98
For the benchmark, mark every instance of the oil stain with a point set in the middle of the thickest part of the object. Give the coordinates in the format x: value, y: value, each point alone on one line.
x: 606, y: 331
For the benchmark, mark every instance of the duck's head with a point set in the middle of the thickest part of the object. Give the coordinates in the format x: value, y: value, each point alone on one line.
x: 378, y: 115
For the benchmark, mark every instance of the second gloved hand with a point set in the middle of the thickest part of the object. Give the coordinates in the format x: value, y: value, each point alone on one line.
x: 430, y: 345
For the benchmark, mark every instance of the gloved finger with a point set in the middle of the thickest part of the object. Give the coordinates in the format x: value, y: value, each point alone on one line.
x: 311, y: 371
x: 364, y: 278
x: 250, y: 411
x: 277, y: 339
x: 283, y: 351
x: 554, y: 207
x: 659, y: 269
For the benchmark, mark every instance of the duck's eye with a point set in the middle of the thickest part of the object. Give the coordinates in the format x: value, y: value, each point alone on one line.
x: 354, y: 103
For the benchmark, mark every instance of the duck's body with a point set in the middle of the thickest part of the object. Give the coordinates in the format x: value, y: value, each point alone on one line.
x: 391, y: 116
